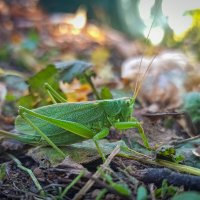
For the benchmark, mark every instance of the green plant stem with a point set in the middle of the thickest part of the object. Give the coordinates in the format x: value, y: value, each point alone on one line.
x: 72, y: 184
x: 163, y: 163
x: 179, y: 167
x: 9, y: 135
x: 126, y: 148
x: 101, y: 194
x: 34, y: 179
x: 89, y: 80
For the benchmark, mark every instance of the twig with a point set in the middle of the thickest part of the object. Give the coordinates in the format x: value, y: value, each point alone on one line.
x: 152, y: 193
x: 185, y: 140
x: 164, y: 163
x: 89, y: 184
x: 156, y: 176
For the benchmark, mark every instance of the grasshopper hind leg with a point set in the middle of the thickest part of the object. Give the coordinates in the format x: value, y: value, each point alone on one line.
x: 43, y: 135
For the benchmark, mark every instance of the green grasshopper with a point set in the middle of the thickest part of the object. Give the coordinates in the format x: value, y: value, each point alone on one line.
x: 64, y: 123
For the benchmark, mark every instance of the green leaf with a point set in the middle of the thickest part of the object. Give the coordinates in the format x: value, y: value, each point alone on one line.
x: 187, y: 148
x: 71, y: 69
x: 187, y: 196
x: 141, y: 193
x: 37, y: 93
x: 64, y: 71
x: 36, y: 82
x: 168, y: 152
x: 121, y: 188
x: 83, y: 152
x: 165, y: 191
x: 27, y: 101
x: 2, y: 171
x: 106, y: 93
x: 192, y: 106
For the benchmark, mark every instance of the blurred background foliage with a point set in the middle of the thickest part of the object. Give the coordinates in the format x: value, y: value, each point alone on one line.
x: 36, y: 33
x: 174, y: 24
x: 134, y: 18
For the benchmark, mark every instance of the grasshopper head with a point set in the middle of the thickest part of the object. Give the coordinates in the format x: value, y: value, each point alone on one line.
x: 127, y: 106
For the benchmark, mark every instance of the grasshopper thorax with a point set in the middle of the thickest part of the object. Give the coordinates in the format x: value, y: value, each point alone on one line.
x: 119, y: 109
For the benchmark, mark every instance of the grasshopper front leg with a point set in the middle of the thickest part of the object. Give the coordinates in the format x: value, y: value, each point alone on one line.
x: 133, y: 124
x: 43, y: 135
x: 102, y: 134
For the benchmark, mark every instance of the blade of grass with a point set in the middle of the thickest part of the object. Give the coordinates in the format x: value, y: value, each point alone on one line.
x: 34, y: 179
x: 72, y: 184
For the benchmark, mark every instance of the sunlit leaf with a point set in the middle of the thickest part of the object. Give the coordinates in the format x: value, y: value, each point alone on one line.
x: 75, y: 91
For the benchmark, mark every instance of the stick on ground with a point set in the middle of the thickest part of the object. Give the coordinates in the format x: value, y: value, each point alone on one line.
x: 90, y: 183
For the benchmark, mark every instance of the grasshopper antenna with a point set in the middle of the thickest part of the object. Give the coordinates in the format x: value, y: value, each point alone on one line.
x: 139, y: 80
x: 137, y: 90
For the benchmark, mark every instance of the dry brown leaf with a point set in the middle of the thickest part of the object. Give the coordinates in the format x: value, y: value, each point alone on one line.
x: 75, y: 91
